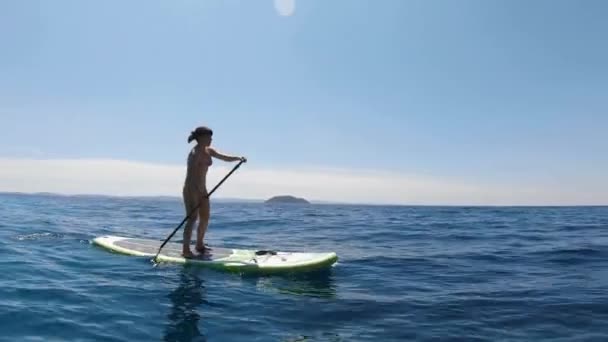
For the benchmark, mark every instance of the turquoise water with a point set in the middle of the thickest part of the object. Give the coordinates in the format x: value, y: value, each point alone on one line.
x: 405, y: 273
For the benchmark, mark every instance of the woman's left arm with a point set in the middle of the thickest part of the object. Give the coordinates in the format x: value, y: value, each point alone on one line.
x: 214, y: 153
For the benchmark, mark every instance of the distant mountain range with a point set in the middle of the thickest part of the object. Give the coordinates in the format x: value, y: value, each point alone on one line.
x: 276, y: 199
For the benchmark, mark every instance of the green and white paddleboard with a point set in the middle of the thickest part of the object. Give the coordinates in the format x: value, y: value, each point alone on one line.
x: 242, y: 260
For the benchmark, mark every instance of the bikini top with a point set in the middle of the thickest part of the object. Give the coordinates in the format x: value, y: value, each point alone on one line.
x: 206, y: 159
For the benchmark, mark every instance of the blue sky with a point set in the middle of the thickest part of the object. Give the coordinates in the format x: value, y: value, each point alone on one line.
x: 506, y: 92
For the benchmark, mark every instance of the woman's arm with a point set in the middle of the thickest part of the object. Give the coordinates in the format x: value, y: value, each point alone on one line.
x: 214, y: 153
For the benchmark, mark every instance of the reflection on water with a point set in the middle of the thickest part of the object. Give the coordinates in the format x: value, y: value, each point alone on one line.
x: 183, y: 319
x: 311, y: 284
x: 189, y: 297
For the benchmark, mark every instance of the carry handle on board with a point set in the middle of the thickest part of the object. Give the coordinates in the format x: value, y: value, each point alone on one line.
x: 196, y: 208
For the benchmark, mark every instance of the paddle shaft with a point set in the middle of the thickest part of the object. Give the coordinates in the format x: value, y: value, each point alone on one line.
x: 196, y: 208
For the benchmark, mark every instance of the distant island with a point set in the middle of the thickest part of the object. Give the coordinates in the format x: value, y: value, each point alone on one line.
x: 286, y: 200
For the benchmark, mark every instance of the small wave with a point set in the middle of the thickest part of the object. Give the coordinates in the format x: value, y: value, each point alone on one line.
x: 586, y: 251
x: 499, y: 258
x: 45, y: 236
x: 573, y: 255
x: 581, y: 226
x: 463, y: 237
x: 39, y: 236
x: 410, y: 262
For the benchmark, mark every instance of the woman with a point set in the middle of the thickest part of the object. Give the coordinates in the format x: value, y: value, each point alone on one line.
x: 195, y: 188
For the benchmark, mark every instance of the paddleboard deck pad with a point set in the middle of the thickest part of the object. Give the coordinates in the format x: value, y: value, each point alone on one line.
x: 241, y: 260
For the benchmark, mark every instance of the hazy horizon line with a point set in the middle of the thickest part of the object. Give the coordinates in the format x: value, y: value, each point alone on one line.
x: 311, y: 201
x: 316, y: 184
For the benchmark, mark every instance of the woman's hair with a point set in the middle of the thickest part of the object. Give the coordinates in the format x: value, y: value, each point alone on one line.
x: 198, y: 132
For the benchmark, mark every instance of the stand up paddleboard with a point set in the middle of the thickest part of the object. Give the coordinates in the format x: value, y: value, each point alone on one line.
x: 241, y: 260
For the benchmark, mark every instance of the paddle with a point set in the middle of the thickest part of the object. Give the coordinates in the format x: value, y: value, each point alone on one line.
x: 196, y: 208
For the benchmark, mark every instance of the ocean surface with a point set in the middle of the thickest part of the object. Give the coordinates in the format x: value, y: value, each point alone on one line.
x: 404, y: 274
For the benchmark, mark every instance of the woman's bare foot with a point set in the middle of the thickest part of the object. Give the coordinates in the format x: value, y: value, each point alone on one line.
x: 201, y: 249
x: 187, y: 254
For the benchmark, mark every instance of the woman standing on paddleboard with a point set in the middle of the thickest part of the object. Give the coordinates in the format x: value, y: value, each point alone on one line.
x: 195, y: 186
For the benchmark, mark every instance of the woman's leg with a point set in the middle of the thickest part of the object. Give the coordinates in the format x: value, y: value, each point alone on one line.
x: 203, y: 223
x: 189, y: 204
